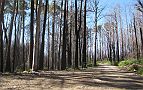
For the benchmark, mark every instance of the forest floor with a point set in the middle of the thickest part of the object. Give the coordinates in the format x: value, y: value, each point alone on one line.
x: 103, y: 77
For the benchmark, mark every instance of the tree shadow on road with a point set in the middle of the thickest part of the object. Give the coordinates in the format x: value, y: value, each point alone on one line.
x: 97, y: 77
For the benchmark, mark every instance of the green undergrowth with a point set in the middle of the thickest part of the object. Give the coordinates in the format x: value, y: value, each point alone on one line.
x: 90, y: 63
x: 132, y: 65
x: 104, y: 62
x: 20, y: 70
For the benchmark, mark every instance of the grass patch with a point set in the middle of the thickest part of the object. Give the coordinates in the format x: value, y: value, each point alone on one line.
x: 126, y: 63
x: 90, y: 63
x: 132, y: 65
x: 105, y: 62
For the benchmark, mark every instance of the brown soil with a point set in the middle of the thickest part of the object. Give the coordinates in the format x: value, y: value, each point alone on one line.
x: 103, y: 77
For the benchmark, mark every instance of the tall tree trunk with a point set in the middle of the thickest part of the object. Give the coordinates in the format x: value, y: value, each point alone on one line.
x: 113, y: 47
x: 80, y: 50
x: 53, y: 37
x: 23, y: 20
x: 141, y: 33
x: 84, y: 39
x: 137, y: 47
x: 2, y: 3
x: 31, y: 34
x: 110, y: 48
x: 15, y: 39
x: 63, y: 62
x: 14, y: 46
x: 100, y: 45
x: 8, y: 60
x: 122, y: 39
x: 61, y: 17
x: 18, y: 45
x: 117, y: 37
x: 95, y: 57
x: 68, y: 39
x: 76, y: 32
x: 37, y: 39
x: 41, y: 61
x: 48, y: 61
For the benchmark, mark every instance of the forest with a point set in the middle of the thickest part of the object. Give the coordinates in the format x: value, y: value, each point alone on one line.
x: 82, y: 41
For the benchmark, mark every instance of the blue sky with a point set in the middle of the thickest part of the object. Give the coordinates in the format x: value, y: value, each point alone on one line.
x: 125, y: 5
x: 109, y: 5
x: 112, y: 3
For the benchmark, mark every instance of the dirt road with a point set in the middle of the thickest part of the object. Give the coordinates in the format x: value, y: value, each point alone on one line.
x: 103, y: 77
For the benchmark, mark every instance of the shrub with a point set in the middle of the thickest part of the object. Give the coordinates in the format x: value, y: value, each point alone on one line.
x: 106, y: 62
x: 140, y: 71
x: 89, y: 63
x: 133, y: 65
x: 126, y: 63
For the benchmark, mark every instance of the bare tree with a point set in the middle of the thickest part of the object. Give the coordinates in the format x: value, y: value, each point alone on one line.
x: 41, y: 61
x: 31, y: 34
x: 2, y: 3
x: 84, y: 39
x: 137, y: 47
x: 8, y: 61
x: 63, y: 61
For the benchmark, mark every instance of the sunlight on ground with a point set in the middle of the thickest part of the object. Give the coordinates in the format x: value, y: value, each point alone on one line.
x: 100, y: 78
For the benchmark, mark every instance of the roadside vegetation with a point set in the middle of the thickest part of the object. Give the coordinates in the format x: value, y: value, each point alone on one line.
x: 132, y: 65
